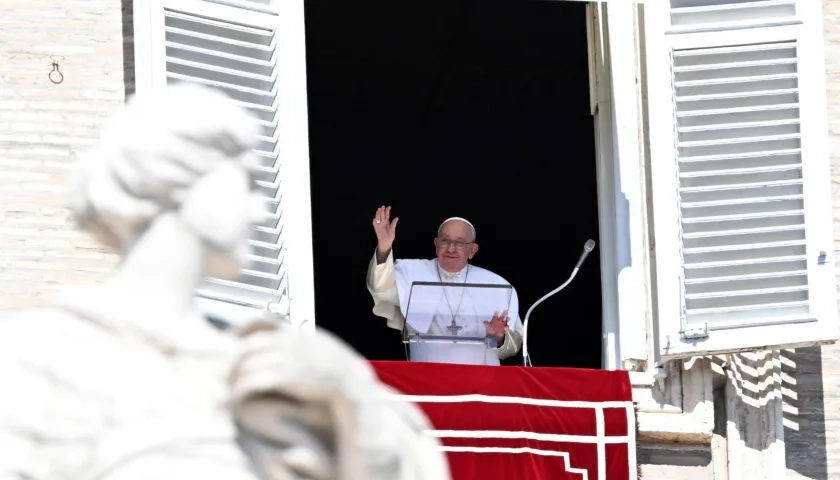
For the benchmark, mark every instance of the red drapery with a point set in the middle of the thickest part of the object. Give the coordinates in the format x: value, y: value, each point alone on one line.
x: 524, y: 423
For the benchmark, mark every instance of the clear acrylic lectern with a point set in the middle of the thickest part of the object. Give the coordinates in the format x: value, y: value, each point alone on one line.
x: 444, y: 322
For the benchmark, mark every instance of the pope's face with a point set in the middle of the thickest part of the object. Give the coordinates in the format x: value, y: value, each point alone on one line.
x: 455, y: 246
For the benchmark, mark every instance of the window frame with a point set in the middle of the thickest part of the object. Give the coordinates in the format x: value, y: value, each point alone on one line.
x: 616, y: 110
x: 823, y: 328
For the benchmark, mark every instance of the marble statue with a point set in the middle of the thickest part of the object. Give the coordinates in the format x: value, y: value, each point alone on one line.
x: 125, y: 380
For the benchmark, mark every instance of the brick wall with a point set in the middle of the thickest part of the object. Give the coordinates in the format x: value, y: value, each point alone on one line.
x: 42, y: 128
x: 812, y: 413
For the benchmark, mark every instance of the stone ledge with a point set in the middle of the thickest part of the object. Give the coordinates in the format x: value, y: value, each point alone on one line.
x: 641, y: 379
x: 682, y: 428
x: 663, y: 423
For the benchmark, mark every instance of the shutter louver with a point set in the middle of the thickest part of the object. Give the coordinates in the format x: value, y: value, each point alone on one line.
x: 266, y: 6
x: 740, y: 183
x: 699, y: 15
x: 241, y: 60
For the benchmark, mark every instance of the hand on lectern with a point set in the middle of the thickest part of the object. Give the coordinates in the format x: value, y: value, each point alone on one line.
x: 385, y: 229
x: 496, y: 326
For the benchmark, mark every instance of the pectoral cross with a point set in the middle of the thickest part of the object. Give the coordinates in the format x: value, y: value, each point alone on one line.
x: 454, y: 328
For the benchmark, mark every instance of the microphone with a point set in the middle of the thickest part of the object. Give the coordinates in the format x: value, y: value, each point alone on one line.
x: 587, y: 249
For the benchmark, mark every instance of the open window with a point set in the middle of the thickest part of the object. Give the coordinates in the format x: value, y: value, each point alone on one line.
x: 740, y: 176
x: 252, y: 50
x: 426, y: 108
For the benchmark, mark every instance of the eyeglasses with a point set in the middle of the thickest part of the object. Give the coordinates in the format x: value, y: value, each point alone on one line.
x: 445, y: 243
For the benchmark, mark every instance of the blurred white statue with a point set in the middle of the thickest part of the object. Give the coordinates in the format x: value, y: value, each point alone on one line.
x: 126, y: 380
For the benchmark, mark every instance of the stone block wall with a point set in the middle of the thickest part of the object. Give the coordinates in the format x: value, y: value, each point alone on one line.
x: 43, y: 126
x: 811, y: 376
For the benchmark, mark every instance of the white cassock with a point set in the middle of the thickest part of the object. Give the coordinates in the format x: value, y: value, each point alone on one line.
x: 390, y: 285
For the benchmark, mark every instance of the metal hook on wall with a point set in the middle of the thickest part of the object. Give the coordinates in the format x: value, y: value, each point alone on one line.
x: 55, y: 74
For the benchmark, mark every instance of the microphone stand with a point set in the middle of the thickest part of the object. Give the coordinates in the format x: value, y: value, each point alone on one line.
x: 526, y: 357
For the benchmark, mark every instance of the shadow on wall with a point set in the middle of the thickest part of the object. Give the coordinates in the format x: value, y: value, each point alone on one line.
x: 778, y: 396
x: 128, y: 46
x: 803, y: 394
x: 759, y: 399
x: 674, y: 461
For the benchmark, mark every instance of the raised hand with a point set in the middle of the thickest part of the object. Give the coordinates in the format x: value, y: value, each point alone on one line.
x: 385, y: 229
x: 496, y: 326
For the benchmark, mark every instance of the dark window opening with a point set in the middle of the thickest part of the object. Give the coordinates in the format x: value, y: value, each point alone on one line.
x: 468, y: 108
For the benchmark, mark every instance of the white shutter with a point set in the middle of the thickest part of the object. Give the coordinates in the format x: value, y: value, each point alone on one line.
x: 740, y: 174
x: 241, y: 48
x: 706, y: 15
